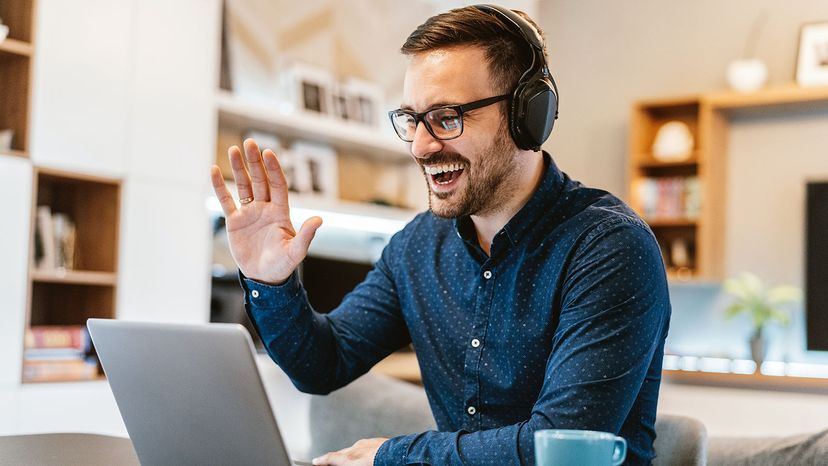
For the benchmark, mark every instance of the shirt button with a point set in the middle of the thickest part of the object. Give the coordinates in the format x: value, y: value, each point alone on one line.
x: 254, y: 293
x: 471, y: 410
x: 475, y: 343
x: 487, y: 274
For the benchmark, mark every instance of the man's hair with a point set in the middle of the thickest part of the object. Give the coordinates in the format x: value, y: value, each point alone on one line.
x: 507, y: 52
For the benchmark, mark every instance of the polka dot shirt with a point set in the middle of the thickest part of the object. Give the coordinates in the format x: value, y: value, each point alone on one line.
x: 561, y: 327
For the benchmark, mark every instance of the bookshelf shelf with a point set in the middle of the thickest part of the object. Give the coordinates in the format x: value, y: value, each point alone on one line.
x: 15, y: 153
x: 348, y: 137
x: 74, y: 277
x: 672, y: 222
x: 648, y: 161
x: 16, y: 47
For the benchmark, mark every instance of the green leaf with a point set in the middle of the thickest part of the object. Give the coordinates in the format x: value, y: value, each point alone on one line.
x: 734, y: 310
x: 784, y: 294
x: 745, y: 287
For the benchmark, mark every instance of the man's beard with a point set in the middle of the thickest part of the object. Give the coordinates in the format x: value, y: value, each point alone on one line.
x: 488, y: 184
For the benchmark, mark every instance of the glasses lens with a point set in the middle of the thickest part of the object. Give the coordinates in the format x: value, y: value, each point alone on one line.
x: 445, y: 122
x: 404, y: 124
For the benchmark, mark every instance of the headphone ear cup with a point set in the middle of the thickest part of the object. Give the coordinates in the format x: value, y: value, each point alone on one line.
x: 532, y: 116
x: 540, y: 109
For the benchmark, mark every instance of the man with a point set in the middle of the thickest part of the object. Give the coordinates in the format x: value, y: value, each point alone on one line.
x: 532, y: 302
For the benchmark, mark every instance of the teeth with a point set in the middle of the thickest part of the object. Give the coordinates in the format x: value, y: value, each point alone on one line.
x: 437, y: 169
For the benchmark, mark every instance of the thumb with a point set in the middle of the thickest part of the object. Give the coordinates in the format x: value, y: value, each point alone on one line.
x: 301, y: 242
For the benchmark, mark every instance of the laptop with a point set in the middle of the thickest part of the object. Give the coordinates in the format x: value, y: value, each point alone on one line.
x: 189, y: 394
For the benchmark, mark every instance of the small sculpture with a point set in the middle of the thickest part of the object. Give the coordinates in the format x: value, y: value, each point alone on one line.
x: 673, y: 142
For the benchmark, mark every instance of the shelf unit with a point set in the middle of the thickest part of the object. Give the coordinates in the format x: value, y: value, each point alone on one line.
x: 708, y: 116
x: 87, y: 286
x: 237, y: 115
x: 16, y: 58
x: 664, y: 183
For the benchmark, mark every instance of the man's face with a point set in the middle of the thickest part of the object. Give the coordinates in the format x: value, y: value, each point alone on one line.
x: 473, y: 174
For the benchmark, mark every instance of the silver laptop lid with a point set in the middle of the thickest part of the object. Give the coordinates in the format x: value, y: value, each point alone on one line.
x: 189, y: 394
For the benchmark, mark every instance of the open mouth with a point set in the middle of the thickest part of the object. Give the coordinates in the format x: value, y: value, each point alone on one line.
x: 445, y: 174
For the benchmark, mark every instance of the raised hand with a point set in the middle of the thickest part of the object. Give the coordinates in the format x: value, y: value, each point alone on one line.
x: 262, y: 239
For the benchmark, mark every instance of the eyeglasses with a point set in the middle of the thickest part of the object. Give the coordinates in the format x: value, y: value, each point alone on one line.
x: 442, y: 122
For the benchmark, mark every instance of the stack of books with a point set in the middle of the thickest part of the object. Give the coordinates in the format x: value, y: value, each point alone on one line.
x: 58, y: 353
x: 669, y: 198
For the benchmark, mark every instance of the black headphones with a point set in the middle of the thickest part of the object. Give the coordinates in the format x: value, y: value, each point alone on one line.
x: 533, y: 107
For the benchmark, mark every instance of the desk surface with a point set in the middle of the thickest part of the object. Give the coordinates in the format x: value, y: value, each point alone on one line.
x: 62, y: 449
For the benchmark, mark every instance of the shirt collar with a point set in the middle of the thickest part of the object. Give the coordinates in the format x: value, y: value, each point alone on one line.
x: 538, y: 205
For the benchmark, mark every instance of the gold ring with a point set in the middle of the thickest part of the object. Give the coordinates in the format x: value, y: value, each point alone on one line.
x: 246, y: 200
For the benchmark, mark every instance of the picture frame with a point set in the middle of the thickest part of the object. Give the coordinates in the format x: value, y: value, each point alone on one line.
x: 365, y: 101
x: 316, y: 169
x: 309, y: 89
x: 812, y: 56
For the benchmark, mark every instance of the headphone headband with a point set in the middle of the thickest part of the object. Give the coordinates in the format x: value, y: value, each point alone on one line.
x: 534, y: 103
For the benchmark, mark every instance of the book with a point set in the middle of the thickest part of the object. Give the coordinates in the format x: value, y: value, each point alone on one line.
x: 59, y: 370
x: 74, y: 337
x: 45, y: 234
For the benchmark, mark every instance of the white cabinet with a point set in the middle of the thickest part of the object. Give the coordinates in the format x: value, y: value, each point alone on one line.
x: 165, y: 254
x: 16, y: 192
x: 80, y: 97
x: 176, y: 68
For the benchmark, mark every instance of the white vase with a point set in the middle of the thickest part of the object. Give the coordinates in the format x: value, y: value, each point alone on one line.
x: 747, y: 75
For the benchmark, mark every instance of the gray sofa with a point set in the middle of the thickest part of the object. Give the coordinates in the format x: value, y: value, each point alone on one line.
x: 378, y: 406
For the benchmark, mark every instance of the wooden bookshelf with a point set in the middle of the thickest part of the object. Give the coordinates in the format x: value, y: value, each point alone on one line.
x: 708, y: 117
x: 16, y: 59
x: 83, y: 285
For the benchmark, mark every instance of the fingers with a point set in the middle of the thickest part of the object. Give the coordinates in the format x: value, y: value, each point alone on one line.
x: 276, y: 178
x: 301, y: 242
x: 331, y: 459
x: 243, y: 185
x: 222, y: 193
x: 261, y: 191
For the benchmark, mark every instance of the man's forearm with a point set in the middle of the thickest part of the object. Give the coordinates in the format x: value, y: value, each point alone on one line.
x: 299, y: 340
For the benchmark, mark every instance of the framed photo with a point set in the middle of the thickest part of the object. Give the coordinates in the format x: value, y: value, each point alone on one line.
x: 309, y: 88
x: 316, y: 169
x: 812, y: 59
x: 339, y: 102
x: 365, y: 101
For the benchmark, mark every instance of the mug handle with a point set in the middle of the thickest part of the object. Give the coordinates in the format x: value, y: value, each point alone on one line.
x: 619, y: 452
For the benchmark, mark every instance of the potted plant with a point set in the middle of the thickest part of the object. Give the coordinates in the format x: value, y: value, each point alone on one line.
x: 763, y: 305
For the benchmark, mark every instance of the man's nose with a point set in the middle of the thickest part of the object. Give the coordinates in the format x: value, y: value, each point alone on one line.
x: 424, y: 144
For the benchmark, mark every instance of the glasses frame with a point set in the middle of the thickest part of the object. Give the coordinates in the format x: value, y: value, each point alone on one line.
x: 460, y: 109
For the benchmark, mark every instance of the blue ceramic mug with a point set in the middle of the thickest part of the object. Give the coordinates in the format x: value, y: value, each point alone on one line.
x: 558, y: 447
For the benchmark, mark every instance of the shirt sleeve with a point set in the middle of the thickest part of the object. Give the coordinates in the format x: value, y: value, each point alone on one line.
x: 323, y: 352
x: 613, y: 321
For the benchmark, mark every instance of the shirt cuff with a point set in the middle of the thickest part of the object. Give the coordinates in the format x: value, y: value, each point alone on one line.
x: 394, y: 451
x: 261, y: 295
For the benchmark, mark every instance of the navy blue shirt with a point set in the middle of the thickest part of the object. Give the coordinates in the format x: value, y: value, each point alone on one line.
x: 563, y: 326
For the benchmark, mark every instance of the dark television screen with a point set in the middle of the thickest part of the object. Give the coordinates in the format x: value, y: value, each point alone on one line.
x: 816, y: 266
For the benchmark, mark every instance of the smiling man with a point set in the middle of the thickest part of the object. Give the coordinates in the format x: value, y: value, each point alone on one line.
x: 532, y: 301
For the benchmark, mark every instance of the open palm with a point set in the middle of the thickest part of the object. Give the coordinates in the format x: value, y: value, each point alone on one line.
x: 262, y: 239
